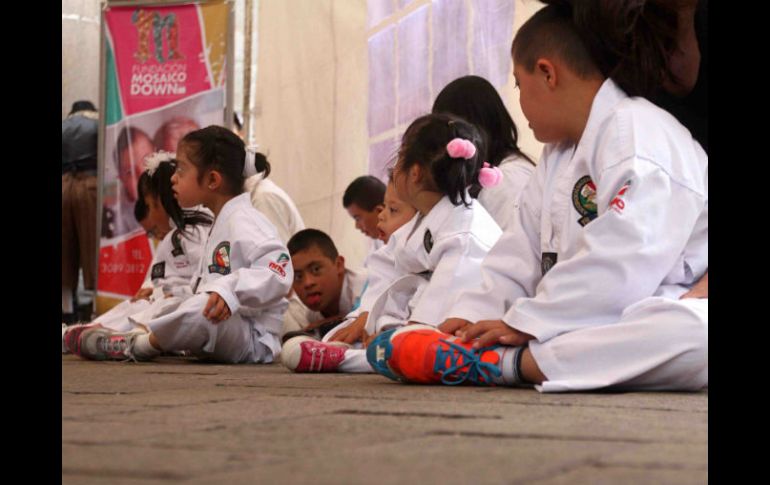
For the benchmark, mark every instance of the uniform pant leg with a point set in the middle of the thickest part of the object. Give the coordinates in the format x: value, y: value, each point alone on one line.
x: 117, y: 317
x: 659, y: 344
x: 230, y: 341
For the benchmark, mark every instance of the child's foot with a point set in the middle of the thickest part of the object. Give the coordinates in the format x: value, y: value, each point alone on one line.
x: 423, y: 354
x: 306, y: 354
x: 70, y: 336
x: 98, y: 343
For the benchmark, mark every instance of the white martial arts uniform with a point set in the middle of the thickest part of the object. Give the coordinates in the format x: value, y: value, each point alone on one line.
x: 374, y: 246
x: 176, y: 259
x: 298, y: 316
x: 275, y: 204
x: 249, y: 267
x: 382, y: 272
x: 436, y: 256
x: 501, y: 200
x: 620, y: 225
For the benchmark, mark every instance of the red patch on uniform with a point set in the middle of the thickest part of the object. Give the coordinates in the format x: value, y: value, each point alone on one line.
x: 617, y: 203
x: 277, y: 269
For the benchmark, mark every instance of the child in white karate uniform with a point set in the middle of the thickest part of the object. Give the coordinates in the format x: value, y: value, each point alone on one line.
x: 583, y: 291
x: 239, y: 288
x: 436, y: 254
x: 182, y: 233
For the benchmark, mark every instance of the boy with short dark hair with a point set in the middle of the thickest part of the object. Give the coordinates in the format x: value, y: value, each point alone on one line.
x: 324, y: 289
x: 583, y: 291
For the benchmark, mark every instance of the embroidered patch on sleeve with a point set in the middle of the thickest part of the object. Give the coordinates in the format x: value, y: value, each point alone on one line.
x: 618, y: 203
x: 584, y: 199
x: 221, y: 259
x: 278, y: 266
x: 158, y: 270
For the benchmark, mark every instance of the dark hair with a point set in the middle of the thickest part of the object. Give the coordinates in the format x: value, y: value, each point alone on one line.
x: 307, y: 238
x: 159, y: 185
x: 140, y: 209
x: 474, y: 99
x: 551, y: 32
x: 217, y: 148
x: 366, y: 191
x: 424, y: 143
x: 629, y: 41
x: 237, y: 120
x: 261, y: 164
x: 82, y: 105
x: 126, y: 137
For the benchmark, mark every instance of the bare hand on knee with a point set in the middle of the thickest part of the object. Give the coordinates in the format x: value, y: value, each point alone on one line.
x: 216, y: 309
x: 490, y: 332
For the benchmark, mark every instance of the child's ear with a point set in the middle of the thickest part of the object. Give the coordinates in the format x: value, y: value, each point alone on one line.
x: 214, y: 180
x: 547, y: 71
x: 378, y: 208
x: 415, y: 173
x: 340, y: 265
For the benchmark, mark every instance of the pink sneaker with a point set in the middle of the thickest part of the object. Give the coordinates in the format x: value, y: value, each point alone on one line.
x: 306, y: 354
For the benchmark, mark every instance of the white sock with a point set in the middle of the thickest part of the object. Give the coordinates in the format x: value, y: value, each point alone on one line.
x: 143, y: 349
x: 510, y: 365
x: 355, y: 362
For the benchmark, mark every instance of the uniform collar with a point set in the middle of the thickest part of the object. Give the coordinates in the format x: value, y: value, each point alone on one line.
x: 604, y: 104
x: 236, y: 203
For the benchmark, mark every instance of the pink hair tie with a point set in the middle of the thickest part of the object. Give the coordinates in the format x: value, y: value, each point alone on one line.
x: 461, y: 148
x: 490, y: 176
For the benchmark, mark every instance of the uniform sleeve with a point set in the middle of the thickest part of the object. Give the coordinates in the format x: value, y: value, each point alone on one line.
x: 511, y: 269
x: 381, y: 273
x: 261, y: 284
x: 644, y: 222
x: 459, y: 258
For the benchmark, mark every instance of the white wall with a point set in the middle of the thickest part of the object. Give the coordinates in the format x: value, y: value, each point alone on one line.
x: 79, y: 52
x: 311, y: 106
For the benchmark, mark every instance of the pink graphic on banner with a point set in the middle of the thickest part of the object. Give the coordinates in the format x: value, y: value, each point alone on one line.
x: 413, y: 91
x: 158, y: 55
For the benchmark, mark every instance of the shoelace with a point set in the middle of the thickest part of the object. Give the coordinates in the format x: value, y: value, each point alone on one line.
x: 116, y: 346
x: 470, y: 359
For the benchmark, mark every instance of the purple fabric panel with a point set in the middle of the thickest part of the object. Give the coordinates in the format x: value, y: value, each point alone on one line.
x: 492, y: 37
x: 378, y: 10
x: 381, y: 156
x: 382, y: 92
x: 450, y: 38
x: 413, y: 92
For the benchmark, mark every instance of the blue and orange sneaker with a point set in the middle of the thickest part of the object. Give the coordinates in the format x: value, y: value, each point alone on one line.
x: 425, y: 355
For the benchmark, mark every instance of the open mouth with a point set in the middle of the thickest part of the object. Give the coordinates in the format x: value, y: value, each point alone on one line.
x: 313, y: 299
